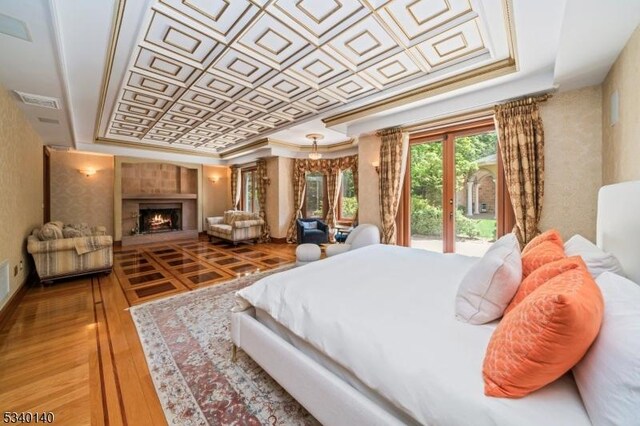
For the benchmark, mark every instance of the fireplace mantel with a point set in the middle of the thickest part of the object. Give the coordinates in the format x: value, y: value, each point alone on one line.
x: 159, y: 196
x: 141, y: 181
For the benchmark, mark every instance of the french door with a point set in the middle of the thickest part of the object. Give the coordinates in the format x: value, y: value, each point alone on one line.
x: 454, y: 196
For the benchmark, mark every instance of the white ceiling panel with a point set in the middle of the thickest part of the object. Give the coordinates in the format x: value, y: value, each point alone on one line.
x: 217, y: 73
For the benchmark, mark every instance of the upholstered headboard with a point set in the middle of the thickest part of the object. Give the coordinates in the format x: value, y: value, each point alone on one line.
x: 618, y: 229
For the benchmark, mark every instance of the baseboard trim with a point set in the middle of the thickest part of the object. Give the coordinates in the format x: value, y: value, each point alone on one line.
x: 9, y: 307
x: 278, y: 240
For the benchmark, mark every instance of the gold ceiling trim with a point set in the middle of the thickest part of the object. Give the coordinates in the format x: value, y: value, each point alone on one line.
x: 150, y: 147
x: 271, y: 143
x: 504, y: 67
x: 108, y: 66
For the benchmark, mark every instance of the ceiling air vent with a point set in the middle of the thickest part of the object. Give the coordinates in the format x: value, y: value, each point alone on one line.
x: 48, y: 120
x: 37, y: 100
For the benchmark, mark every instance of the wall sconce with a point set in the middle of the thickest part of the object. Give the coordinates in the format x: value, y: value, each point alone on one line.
x: 376, y: 165
x: 213, y: 179
x: 87, y: 172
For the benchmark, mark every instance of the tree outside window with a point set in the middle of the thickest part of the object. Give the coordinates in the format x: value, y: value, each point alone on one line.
x: 348, y: 200
x: 314, y: 196
x: 249, y: 191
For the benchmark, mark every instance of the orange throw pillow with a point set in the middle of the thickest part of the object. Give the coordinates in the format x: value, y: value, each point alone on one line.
x: 551, y: 235
x: 541, y: 254
x: 544, y: 336
x: 542, y: 275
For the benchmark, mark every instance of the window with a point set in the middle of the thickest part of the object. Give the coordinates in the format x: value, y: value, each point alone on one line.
x: 348, y: 203
x: 314, y: 200
x: 249, y: 191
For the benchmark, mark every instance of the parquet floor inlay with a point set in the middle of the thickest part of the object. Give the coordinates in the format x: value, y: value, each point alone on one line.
x: 157, y: 270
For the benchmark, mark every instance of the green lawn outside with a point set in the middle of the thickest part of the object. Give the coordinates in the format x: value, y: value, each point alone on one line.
x: 487, y: 228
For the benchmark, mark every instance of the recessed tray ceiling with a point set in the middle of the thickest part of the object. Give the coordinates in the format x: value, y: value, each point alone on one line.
x: 208, y: 76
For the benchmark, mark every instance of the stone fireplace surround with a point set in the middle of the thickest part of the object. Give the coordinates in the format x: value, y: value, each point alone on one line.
x: 160, y: 185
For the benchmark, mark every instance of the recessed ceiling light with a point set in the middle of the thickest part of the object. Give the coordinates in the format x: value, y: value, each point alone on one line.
x: 14, y: 27
x: 48, y: 120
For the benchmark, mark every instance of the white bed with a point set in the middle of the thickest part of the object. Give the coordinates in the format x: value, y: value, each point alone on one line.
x: 370, y: 337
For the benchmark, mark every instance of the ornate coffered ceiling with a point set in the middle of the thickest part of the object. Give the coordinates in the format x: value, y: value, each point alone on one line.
x: 213, y: 75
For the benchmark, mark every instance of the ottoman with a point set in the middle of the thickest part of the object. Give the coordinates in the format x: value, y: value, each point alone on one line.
x: 307, y: 253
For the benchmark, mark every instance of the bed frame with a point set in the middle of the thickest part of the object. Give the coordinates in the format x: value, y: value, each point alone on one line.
x: 334, y: 402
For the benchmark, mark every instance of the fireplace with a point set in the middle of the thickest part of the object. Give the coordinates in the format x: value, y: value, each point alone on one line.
x: 160, y: 218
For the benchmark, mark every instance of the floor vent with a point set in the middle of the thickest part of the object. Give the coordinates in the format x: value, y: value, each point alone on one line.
x: 37, y: 100
x: 4, y: 280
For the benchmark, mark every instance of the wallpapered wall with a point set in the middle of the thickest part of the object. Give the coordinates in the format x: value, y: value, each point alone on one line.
x: 76, y: 198
x: 621, y: 142
x: 21, y: 189
x: 368, y: 200
x: 217, y: 196
x: 573, y: 161
x: 279, y: 195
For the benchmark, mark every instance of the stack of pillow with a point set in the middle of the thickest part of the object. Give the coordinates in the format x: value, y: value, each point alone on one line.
x: 57, y: 230
x: 564, y: 306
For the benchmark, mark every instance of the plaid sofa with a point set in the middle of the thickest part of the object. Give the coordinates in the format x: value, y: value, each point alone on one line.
x: 67, y: 257
x: 235, y: 226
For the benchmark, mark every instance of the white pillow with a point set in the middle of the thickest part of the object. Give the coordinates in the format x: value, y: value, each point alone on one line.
x: 608, y: 376
x: 597, y: 260
x: 491, y: 283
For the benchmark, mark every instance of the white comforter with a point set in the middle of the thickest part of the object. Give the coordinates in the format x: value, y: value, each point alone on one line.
x: 386, y: 314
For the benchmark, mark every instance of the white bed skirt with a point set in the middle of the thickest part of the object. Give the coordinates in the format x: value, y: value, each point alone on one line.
x: 325, y: 396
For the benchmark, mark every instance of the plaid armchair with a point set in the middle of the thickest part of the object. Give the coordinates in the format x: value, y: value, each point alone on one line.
x: 235, y: 226
x: 312, y: 231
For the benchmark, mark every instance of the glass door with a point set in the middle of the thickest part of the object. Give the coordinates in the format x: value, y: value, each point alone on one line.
x: 457, y: 192
x: 427, y: 225
x: 476, y: 198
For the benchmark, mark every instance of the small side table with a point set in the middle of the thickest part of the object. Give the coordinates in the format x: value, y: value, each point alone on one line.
x: 342, y: 232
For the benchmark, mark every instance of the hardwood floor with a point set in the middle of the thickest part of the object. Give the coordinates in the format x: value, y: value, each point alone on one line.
x: 72, y: 349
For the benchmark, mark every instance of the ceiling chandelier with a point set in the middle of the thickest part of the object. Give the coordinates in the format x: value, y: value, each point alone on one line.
x: 314, y: 154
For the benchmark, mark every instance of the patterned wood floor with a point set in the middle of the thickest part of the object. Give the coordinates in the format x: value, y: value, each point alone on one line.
x: 152, y: 271
x: 71, y: 348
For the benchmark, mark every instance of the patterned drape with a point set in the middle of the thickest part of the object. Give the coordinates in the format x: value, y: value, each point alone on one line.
x: 393, y: 157
x: 521, y: 141
x: 303, y: 166
x: 235, y: 188
x: 299, y: 187
x: 334, y: 179
x: 261, y: 186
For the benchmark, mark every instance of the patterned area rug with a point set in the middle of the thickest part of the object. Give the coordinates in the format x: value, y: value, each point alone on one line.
x: 188, y: 349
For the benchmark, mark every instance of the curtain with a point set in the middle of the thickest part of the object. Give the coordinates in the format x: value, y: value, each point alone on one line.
x: 354, y: 171
x: 521, y: 142
x: 394, y: 147
x: 299, y: 187
x: 236, y: 184
x: 261, y: 186
x: 334, y: 179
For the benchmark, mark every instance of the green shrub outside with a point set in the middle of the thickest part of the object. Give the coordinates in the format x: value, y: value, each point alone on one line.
x: 427, y: 220
x: 349, y: 206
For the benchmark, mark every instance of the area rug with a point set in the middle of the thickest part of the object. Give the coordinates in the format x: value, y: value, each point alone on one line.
x: 187, y: 344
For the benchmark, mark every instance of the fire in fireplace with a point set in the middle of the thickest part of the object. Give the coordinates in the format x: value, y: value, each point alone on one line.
x: 160, y: 219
